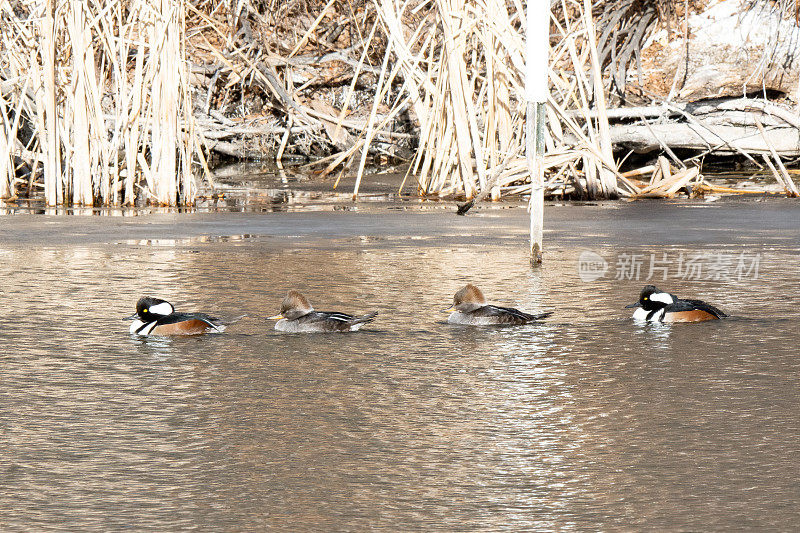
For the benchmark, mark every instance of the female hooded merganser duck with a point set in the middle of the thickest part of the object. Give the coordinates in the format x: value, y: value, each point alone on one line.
x: 659, y: 306
x: 297, y: 316
x: 158, y: 317
x: 471, y: 310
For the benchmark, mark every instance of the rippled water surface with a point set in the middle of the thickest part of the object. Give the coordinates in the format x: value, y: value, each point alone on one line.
x: 584, y: 422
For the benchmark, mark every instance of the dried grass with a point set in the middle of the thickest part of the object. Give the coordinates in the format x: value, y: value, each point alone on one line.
x: 106, y: 90
x: 463, y: 70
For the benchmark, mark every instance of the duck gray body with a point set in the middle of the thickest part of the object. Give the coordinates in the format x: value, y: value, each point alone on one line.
x: 297, y: 316
x: 471, y: 309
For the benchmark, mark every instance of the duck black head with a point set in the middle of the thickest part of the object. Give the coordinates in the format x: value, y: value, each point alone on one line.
x: 148, y: 308
x: 653, y: 299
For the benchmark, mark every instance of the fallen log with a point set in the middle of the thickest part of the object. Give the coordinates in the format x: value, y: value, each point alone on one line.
x: 721, y: 139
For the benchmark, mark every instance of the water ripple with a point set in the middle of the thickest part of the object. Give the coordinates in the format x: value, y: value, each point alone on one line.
x: 586, y: 421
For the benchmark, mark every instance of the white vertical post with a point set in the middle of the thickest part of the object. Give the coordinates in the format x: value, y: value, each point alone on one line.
x: 537, y: 47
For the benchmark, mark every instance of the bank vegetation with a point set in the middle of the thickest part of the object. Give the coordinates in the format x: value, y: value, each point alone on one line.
x: 129, y: 102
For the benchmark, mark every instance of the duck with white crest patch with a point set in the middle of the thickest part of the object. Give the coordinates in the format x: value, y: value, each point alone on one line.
x: 155, y: 316
x: 655, y: 305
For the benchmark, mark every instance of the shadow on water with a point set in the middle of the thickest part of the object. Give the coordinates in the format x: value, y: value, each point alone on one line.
x: 584, y: 421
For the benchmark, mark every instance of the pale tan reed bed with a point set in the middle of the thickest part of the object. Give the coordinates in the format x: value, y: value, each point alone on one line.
x: 107, y: 103
x: 105, y: 90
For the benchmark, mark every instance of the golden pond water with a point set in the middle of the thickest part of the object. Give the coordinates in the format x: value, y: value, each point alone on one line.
x: 585, y: 422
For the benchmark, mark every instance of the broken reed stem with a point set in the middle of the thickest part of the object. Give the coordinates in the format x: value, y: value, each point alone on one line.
x: 783, y: 178
x: 6, y: 163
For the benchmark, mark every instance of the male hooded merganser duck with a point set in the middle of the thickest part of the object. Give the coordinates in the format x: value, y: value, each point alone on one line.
x: 471, y: 310
x: 659, y: 306
x: 297, y: 316
x: 158, y: 317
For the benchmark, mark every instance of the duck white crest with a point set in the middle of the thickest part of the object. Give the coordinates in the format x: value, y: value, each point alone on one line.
x: 164, y: 309
x: 663, y: 297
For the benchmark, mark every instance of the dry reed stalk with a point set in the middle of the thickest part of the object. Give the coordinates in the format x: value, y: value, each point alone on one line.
x: 641, y: 171
x: 783, y: 178
x: 348, y: 97
x: 47, y: 112
x: 110, y: 85
x: 471, y: 118
x: 778, y: 177
x: 607, y: 181
x: 371, y: 122
x: 79, y: 154
x: 310, y: 30
x: 6, y: 161
x: 663, y: 167
x: 669, y: 184
x: 708, y: 187
x: 10, y: 121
